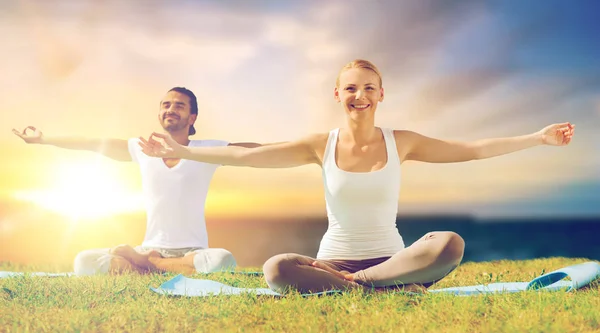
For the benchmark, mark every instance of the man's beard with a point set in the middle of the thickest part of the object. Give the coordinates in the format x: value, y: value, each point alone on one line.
x: 174, y: 127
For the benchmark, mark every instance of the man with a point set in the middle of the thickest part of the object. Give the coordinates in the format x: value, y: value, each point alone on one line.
x: 175, y: 190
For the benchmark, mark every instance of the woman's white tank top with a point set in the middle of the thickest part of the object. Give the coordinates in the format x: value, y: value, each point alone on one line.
x: 361, y: 206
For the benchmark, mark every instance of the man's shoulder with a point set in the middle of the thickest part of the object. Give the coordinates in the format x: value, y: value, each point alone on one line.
x: 135, y: 151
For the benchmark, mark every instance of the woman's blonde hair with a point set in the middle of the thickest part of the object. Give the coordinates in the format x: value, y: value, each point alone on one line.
x: 359, y: 63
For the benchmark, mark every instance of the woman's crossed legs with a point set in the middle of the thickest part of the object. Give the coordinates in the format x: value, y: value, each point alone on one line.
x: 425, y: 262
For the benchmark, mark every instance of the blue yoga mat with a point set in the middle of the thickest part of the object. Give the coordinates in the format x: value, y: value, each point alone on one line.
x: 581, y: 275
x: 6, y: 274
x: 184, y: 286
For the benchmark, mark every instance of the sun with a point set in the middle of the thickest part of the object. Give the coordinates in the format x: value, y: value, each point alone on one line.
x: 84, y: 191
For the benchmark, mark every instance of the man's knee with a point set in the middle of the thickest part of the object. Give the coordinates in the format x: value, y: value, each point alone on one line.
x: 224, y: 259
x: 214, y: 260
x: 92, y: 262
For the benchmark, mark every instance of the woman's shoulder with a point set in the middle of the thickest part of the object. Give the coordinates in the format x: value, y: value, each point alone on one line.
x: 404, y: 140
x: 403, y: 134
x: 317, y: 138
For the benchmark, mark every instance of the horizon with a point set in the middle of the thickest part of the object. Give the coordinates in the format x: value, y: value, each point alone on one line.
x: 52, y: 239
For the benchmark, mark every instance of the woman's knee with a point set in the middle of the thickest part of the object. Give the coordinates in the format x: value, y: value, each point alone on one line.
x: 274, y: 266
x: 454, y: 247
x: 277, y: 271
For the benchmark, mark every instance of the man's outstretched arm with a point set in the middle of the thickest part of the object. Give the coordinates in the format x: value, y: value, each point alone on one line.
x: 116, y: 149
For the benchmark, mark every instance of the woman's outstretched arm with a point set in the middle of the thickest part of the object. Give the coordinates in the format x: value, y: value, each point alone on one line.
x: 425, y: 149
x: 278, y: 155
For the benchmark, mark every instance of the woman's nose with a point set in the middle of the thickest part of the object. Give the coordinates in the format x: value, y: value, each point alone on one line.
x: 359, y: 94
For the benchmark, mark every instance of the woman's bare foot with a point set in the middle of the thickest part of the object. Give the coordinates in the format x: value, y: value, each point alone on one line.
x: 344, y: 275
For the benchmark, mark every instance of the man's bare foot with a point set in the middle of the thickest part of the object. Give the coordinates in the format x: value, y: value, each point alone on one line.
x: 182, y: 265
x: 141, y: 260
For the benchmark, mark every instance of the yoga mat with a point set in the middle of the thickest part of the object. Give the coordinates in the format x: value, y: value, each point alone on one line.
x: 235, y: 272
x: 4, y: 274
x: 581, y: 275
x: 7, y: 274
x: 184, y: 286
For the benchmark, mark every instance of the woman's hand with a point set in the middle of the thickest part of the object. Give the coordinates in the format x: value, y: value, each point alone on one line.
x: 344, y: 275
x: 557, y: 134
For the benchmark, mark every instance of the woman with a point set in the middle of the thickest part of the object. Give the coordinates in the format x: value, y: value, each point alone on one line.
x: 361, y: 172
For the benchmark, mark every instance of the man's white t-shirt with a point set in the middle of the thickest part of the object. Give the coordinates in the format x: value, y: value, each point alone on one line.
x: 175, y: 198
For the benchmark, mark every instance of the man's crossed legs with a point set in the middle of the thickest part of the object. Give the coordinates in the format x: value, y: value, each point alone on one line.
x: 125, y: 258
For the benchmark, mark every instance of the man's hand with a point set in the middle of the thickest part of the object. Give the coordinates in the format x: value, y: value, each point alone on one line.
x: 161, y: 145
x: 35, y: 137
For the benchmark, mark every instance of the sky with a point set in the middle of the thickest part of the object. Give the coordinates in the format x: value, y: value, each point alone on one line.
x: 264, y: 71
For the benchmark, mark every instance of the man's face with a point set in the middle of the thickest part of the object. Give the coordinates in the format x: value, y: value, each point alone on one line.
x: 174, y: 114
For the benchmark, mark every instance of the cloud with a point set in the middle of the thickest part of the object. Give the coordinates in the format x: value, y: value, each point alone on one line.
x: 442, y: 93
x: 59, y: 45
x: 403, y: 39
x: 538, y: 98
x: 265, y: 70
x: 105, y: 40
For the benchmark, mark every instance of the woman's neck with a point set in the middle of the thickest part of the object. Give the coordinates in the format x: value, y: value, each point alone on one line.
x: 360, y: 132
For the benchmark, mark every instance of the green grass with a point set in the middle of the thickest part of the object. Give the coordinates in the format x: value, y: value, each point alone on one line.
x: 124, y: 303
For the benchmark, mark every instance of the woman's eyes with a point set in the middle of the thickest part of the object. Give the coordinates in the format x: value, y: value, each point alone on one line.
x: 352, y: 88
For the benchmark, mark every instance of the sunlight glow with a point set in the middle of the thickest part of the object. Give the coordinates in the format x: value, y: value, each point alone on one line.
x: 85, y: 191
